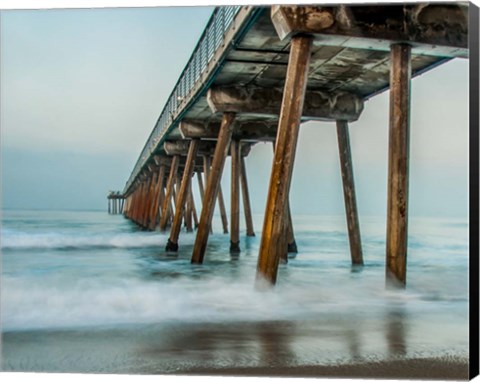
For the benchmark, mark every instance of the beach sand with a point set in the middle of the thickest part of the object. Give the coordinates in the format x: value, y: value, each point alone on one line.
x: 427, y: 368
x: 271, y: 348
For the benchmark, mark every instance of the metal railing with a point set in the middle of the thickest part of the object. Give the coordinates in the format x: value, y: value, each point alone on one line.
x: 212, y: 38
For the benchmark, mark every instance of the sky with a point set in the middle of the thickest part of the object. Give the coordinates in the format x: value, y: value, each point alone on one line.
x: 81, y: 91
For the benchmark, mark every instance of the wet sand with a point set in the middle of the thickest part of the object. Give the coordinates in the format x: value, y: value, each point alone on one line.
x: 429, y: 368
x: 270, y: 348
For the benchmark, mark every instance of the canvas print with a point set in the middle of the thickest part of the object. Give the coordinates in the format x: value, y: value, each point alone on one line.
x: 277, y: 190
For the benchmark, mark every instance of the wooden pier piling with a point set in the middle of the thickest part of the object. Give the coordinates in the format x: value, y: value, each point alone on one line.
x: 149, y: 198
x: 246, y: 198
x: 189, y: 210
x: 235, y: 198
x: 223, y: 211
x: 288, y: 126
x: 398, y: 161
x: 206, y: 172
x: 182, y: 195
x: 349, y: 193
x: 157, y: 197
x: 291, y: 243
x: 169, y: 190
x: 194, y: 210
x: 291, y: 246
x: 213, y: 183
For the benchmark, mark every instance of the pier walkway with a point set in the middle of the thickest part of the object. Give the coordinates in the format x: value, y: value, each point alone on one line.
x: 255, y: 75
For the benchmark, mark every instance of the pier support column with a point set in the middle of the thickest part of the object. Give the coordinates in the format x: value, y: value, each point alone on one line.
x: 235, y: 198
x: 152, y: 180
x: 213, y: 183
x: 131, y: 204
x: 189, y: 207
x: 138, y: 194
x: 274, y: 226
x: 182, y: 195
x: 398, y: 158
x: 168, y: 193
x: 221, y: 202
x: 109, y: 206
x: 146, y: 190
x: 291, y: 245
x: 223, y: 211
x: 158, y: 192
x: 349, y: 193
x: 194, y: 210
x: 200, y: 185
x: 138, y: 207
x: 246, y: 198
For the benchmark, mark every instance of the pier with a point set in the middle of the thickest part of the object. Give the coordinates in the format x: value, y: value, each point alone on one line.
x: 258, y: 73
x: 116, y: 202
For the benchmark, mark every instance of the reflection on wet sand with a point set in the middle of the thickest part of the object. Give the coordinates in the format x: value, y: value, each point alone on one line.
x: 331, y: 344
x: 396, y: 324
x: 279, y: 343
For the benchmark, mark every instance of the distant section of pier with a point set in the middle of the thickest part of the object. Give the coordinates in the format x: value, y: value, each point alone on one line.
x: 116, y: 202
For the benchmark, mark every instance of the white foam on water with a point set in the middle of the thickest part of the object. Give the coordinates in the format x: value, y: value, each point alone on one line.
x: 53, y: 240
x: 90, y: 302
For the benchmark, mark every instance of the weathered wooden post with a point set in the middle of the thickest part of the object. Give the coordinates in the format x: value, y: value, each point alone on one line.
x: 213, y: 183
x: 223, y: 211
x: 139, y: 201
x: 178, y: 181
x: 135, y: 200
x: 349, y: 193
x: 157, y: 197
x: 291, y: 245
x: 200, y: 185
x: 146, y: 190
x: 221, y: 202
x: 274, y: 227
x: 398, y: 158
x: 235, y: 198
x: 109, y: 204
x: 194, y: 210
x: 189, y: 209
x: 246, y: 198
x: 206, y: 171
x: 149, y: 198
x: 172, y: 244
x: 168, y: 193
x: 131, y: 204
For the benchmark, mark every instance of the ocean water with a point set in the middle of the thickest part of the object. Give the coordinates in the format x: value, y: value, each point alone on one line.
x: 85, y: 291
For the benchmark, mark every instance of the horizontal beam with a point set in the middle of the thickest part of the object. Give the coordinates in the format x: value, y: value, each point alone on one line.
x: 180, y: 147
x: 434, y: 29
x: 318, y: 105
x: 207, y: 148
x: 248, y: 131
